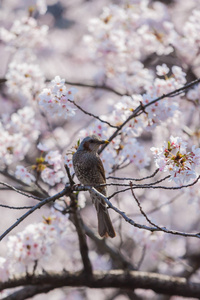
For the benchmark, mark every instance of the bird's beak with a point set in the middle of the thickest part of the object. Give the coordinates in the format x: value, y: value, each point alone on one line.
x: 105, y: 142
x: 101, y: 142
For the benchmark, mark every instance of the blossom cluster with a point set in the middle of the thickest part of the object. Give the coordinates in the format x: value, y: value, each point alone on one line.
x: 174, y: 158
x: 24, y: 77
x: 127, y: 33
x: 25, y: 33
x: 49, y: 167
x: 52, y: 173
x: 55, y: 99
x: 24, y: 80
x: 23, y: 174
x: 159, y: 112
x: 194, y: 94
x: 34, y: 243
x: 17, y: 133
x: 37, y: 242
x: 187, y: 43
x: 167, y: 108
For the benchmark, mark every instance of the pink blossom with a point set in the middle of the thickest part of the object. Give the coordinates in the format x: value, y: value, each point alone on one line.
x: 162, y: 70
x: 68, y: 162
x: 174, y: 158
x: 25, y: 33
x: 54, y: 158
x: 4, y: 270
x: 22, y: 173
x: 54, y: 100
x: 42, y: 147
x: 52, y: 177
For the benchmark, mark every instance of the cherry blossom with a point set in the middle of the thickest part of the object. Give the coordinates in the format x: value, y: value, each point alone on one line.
x: 162, y: 70
x: 174, y: 158
x: 23, y: 174
x: 36, y: 241
x: 42, y: 147
x: 52, y: 177
x: 187, y: 43
x: 68, y: 161
x: 24, y: 80
x: 4, y: 270
x: 133, y: 152
x: 134, y: 52
x: 54, y: 159
x: 18, y: 130
x: 25, y: 33
x: 54, y: 100
x: 126, y: 33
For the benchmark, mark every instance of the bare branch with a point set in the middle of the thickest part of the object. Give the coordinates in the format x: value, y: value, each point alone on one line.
x: 29, y: 291
x: 18, y: 191
x: 119, y: 260
x: 15, y: 207
x: 81, y: 236
x: 68, y: 190
x: 161, y: 284
x: 136, y: 185
x: 69, y: 175
x: 95, y: 86
x: 92, y: 115
x: 141, y: 210
x: 133, y: 179
x: 130, y: 221
x: 39, y: 191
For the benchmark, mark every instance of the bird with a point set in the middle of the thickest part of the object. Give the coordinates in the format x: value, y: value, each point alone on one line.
x: 89, y: 170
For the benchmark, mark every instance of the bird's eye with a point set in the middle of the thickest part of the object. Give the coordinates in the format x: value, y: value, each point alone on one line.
x: 91, y: 141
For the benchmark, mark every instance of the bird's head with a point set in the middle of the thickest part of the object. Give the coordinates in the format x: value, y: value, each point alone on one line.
x: 91, y: 143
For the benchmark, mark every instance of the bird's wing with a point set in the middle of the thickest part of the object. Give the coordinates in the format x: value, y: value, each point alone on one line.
x: 101, y: 170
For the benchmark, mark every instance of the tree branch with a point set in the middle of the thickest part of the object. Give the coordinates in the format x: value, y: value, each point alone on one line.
x: 134, y: 179
x: 81, y: 236
x: 18, y: 191
x: 141, y: 108
x: 161, y: 284
x: 130, y: 221
x: 118, y: 258
x: 65, y: 191
x: 92, y: 115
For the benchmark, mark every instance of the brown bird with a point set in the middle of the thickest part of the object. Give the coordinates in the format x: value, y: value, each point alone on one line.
x: 90, y: 171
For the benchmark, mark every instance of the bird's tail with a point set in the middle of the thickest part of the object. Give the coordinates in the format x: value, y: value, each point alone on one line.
x: 105, y: 226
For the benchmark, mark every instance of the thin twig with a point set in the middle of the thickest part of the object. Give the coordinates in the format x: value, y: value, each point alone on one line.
x: 141, y: 210
x: 160, y: 206
x: 71, y: 182
x: 15, y: 207
x: 18, y: 191
x: 92, y: 115
x: 150, y: 186
x: 133, y: 179
x: 13, y: 177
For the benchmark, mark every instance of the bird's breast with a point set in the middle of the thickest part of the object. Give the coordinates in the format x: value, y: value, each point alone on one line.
x: 86, y: 168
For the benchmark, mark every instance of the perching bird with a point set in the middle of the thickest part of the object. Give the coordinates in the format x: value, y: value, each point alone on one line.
x: 90, y: 171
